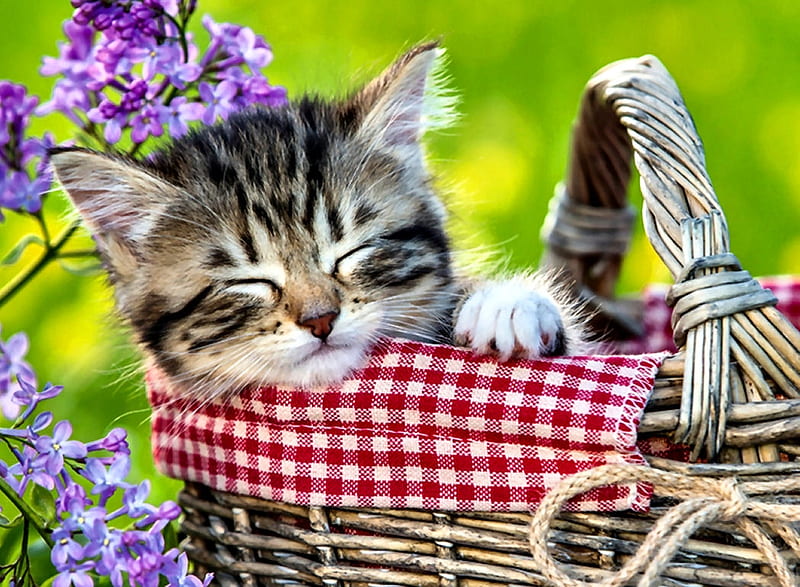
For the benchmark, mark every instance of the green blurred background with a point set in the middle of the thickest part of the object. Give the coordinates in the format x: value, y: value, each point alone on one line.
x: 519, y: 67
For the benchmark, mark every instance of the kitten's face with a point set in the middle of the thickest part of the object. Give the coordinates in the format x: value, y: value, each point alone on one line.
x: 275, y: 248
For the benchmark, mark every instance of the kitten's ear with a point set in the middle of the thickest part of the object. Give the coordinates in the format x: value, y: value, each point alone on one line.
x: 117, y: 199
x: 407, y: 99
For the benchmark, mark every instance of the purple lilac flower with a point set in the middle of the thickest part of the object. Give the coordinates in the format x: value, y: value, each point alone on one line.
x: 8, y: 407
x: 115, y: 441
x: 12, y: 361
x: 218, y: 100
x: 107, y: 480
x: 148, y: 123
x: 72, y: 501
x: 18, y: 191
x: 180, y: 112
x: 240, y: 45
x: 58, y: 446
x: 65, y: 547
x: 31, y: 468
x: 29, y: 397
x: 178, y: 577
x: 134, y: 500
x: 73, y: 573
x: 160, y: 516
x: 105, y: 542
x: 84, y: 542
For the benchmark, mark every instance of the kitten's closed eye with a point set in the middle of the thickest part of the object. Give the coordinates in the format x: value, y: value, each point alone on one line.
x: 262, y: 289
x: 345, y: 265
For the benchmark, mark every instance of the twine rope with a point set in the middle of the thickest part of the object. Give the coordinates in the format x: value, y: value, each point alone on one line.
x: 579, y: 229
x: 698, y: 299
x: 704, y: 501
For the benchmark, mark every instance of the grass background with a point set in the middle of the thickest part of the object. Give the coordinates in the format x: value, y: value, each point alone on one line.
x: 519, y: 67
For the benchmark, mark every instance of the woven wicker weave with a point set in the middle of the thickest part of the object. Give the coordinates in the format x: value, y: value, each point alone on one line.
x: 731, y: 394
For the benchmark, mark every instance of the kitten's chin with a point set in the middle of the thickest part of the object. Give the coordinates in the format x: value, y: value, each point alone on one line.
x: 327, y: 365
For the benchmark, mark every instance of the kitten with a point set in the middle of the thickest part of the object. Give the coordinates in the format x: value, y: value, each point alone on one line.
x: 278, y: 246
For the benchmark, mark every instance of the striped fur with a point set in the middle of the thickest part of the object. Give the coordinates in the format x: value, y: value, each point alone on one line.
x: 278, y: 246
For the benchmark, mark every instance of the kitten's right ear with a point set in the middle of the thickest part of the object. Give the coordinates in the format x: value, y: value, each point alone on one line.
x: 407, y: 99
x: 117, y: 199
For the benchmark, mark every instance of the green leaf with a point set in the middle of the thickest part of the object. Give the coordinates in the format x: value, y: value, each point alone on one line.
x: 41, y: 565
x: 10, y: 544
x: 15, y: 253
x: 43, y: 503
x: 82, y: 270
x: 6, y: 523
x: 170, y: 536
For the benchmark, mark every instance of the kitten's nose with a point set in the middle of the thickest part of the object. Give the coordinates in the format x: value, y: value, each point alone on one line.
x: 320, y: 326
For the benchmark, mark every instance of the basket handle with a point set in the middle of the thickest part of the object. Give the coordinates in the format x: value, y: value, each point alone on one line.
x: 735, y: 342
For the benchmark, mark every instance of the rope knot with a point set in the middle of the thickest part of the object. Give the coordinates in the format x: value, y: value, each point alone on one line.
x: 734, y: 501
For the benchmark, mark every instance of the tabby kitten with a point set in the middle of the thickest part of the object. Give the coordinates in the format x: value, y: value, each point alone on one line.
x: 278, y: 246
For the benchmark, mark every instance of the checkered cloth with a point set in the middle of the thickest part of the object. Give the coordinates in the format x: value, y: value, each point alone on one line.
x: 421, y: 426
x: 430, y: 427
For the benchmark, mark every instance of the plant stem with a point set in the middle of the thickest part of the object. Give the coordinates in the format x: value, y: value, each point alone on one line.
x: 27, y: 511
x: 43, y: 226
x: 50, y: 253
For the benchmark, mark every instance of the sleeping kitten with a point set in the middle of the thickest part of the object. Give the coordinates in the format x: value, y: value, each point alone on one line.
x: 277, y: 247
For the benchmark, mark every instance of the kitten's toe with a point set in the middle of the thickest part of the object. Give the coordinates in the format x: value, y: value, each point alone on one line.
x: 467, y: 320
x: 538, y: 328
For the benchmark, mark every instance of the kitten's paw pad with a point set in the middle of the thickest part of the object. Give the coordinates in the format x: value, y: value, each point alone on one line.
x: 510, y: 321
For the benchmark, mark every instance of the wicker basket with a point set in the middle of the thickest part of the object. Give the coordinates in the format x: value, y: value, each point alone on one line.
x: 730, y: 394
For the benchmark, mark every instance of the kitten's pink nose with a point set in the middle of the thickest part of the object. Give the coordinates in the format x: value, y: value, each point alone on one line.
x: 320, y: 326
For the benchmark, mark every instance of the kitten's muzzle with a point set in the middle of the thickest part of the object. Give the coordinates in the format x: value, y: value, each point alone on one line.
x: 320, y: 326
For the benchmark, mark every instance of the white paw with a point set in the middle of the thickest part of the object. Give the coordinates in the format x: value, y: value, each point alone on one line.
x: 508, y: 319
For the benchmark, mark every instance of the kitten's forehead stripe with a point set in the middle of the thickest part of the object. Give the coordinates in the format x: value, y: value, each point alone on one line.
x: 364, y: 214
x: 219, y: 257
x: 241, y: 198
x: 265, y: 218
x: 310, y: 207
x: 317, y: 144
x: 246, y: 240
x: 335, y: 223
x: 253, y: 168
x: 221, y: 172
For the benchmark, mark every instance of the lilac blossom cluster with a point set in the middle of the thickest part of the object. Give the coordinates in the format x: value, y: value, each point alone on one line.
x: 87, y: 536
x: 129, y: 68
x: 18, y: 189
x: 132, y: 65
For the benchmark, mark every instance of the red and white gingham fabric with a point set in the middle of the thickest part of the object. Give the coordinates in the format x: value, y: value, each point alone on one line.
x: 421, y: 426
x: 430, y: 427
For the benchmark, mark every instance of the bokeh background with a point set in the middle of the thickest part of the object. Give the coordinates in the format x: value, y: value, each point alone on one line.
x: 519, y: 67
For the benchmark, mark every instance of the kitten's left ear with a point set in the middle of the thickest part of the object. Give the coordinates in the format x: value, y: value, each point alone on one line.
x: 117, y: 199
x: 407, y: 99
